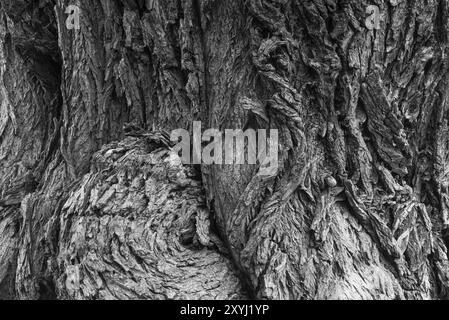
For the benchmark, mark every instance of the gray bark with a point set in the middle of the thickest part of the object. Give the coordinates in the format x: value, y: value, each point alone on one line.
x: 93, y: 207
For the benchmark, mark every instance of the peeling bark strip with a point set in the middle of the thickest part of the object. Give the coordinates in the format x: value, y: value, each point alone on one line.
x: 92, y: 205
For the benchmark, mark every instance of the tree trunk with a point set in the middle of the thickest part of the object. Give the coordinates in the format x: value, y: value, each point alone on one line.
x: 93, y: 205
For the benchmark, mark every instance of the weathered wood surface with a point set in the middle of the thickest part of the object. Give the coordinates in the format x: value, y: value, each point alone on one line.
x: 358, y: 209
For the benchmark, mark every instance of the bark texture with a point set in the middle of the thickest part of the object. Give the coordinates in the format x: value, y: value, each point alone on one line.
x: 94, y: 205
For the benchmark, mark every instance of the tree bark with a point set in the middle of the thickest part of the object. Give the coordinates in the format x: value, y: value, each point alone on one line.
x: 94, y: 206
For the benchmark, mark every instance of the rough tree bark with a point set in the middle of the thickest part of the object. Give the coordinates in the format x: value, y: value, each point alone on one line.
x: 92, y: 206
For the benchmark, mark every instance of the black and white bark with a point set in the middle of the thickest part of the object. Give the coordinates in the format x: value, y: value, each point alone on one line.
x: 92, y: 206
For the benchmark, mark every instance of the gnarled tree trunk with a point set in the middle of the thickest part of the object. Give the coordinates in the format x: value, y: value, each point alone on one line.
x: 94, y: 206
